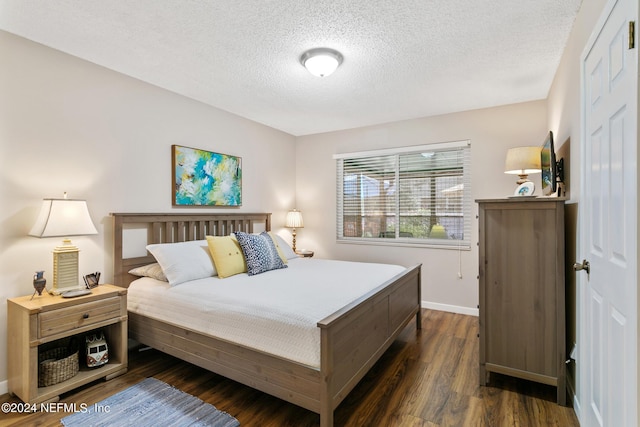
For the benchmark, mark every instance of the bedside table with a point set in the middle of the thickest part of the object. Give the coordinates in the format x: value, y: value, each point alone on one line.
x: 304, y: 253
x: 44, y: 319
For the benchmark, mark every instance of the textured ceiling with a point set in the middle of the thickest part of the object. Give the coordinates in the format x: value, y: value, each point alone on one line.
x: 402, y: 58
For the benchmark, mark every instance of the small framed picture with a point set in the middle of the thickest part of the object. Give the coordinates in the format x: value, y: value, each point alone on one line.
x: 91, y: 280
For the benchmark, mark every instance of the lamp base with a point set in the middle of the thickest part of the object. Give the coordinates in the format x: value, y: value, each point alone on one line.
x: 294, y: 240
x: 65, y: 268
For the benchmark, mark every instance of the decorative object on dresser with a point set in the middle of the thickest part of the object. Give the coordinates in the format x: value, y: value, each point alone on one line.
x: 92, y: 280
x: 522, y: 292
x: 522, y: 161
x: 204, y: 178
x: 43, y: 324
x: 64, y: 218
x: 525, y: 189
x: 39, y: 283
x: 294, y: 220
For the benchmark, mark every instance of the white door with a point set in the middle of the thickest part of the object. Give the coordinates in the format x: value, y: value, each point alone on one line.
x: 607, y: 360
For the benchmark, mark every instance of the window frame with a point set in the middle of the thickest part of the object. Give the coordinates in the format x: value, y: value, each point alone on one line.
x: 464, y: 243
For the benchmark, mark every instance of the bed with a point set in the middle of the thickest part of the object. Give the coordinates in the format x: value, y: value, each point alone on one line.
x: 351, y: 339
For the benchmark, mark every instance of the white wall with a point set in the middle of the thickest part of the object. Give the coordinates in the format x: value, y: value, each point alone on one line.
x: 70, y: 125
x: 491, y: 131
x: 564, y: 96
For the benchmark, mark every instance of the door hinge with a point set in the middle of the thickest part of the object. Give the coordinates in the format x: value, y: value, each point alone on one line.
x: 632, y: 34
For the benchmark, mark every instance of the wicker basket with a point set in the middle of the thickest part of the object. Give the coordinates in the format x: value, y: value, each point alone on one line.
x: 56, y: 365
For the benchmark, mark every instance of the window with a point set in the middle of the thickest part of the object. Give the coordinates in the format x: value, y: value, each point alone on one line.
x: 413, y: 195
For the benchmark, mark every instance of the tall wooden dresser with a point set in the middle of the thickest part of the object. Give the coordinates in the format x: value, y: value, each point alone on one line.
x: 522, y: 293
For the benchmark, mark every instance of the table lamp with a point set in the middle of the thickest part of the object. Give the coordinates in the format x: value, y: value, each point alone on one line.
x: 523, y: 161
x: 64, y: 218
x: 294, y: 220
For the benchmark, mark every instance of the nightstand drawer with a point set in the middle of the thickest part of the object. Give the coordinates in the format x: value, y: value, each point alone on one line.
x: 70, y: 318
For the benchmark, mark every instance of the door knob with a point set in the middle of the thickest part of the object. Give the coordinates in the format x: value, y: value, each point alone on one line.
x: 584, y: 266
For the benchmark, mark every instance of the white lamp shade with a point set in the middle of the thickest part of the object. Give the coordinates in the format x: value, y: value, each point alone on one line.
x: 321, y: 62
x: 522, y: 161
x: 63, y: 217
x: 294, y: 219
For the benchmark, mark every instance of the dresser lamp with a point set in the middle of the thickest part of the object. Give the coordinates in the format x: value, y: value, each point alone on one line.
x: 294, y: 220
x: 523, y: 161
x: 64, y: 218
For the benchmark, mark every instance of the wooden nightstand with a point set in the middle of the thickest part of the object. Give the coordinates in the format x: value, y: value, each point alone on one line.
x: 41, y: 321
x: 304, y: 253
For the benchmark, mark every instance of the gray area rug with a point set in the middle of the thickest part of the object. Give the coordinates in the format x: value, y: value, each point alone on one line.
x: 150, y: 403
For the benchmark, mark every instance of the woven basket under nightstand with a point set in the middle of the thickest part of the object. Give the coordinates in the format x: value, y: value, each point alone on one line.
x: 52, y: 372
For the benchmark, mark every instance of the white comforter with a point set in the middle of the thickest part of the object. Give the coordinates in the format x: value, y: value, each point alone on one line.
x: 276, y: 312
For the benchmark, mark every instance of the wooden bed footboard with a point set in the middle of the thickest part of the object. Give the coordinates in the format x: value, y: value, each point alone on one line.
x: 352, y: 339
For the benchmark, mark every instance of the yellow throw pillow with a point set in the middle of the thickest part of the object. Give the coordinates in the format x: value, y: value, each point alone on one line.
x: 227, y: 255
x: 275, y: 242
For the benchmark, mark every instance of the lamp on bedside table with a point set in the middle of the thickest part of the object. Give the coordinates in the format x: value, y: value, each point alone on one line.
x: 294, y: 220
x: 64, y: 218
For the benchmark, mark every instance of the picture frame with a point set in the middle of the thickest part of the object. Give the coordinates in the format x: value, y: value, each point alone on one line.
x: 205, y: 178
x: 91, y: 280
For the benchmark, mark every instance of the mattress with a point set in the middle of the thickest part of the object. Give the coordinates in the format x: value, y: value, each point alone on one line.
x: 276, y: 312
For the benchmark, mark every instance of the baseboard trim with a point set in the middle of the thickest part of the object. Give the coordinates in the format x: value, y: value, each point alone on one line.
x: 570, y: 390
x: 450, y: 308
x: 577, y: 410
x: 4, y: 387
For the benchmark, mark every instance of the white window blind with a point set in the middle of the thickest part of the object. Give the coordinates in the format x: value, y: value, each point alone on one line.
x: 417, y: 195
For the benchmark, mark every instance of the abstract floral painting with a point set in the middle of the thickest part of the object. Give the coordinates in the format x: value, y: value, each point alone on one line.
x: 204, y: 178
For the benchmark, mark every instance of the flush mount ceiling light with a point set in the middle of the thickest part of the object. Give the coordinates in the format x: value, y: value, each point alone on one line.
x: 321, y: 61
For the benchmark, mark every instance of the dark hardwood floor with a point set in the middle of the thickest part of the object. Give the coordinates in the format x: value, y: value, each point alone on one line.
x: 426, y: 378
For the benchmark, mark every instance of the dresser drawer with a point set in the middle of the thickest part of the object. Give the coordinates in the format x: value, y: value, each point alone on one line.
x: 78, y: 316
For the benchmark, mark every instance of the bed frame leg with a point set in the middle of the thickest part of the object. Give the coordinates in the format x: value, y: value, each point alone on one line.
x: 419, y: 319
x: 326, y: 418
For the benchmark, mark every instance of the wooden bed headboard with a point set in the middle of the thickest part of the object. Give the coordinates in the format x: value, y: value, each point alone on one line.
x: 172, y: 228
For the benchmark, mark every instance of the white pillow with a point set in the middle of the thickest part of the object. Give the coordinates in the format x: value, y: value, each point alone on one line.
x: 285, y: 248
x: 184, y: 261
x: 150, y: 270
